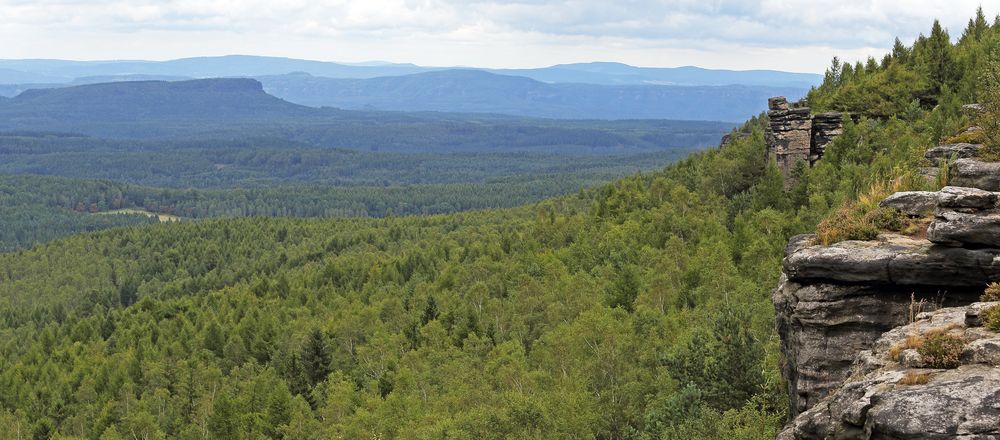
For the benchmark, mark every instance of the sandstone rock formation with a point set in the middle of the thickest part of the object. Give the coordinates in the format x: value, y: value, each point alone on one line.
x: 849, y: 313
x: 893, y: 393
x: 842, y: 310
x: 835, y: 301
x: 795, y: 135
x: 825, y: 127
x: 946, y: 152
x: 912, y: 203
x: 975, y: 174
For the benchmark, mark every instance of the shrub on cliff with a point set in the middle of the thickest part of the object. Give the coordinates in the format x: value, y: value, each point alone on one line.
x: 991, y: 318
x: 992, y: 293
x: 941, y: 349
x: 863, y: 219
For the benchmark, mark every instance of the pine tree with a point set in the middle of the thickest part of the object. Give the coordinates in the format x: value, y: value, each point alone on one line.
x: 733, y: 368
x: 431, y: 311
x: 316, y: 357
x: 214, y: 340
x: 224, y: 421
x: 938, y: 58
x: 989, y: 98
x: 900, y: 52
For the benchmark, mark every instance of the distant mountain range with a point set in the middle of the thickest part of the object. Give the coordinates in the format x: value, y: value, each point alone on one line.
x: 49, y: 71
x: 239, y: 108
x: 567, y: 91
x: 473, y: 91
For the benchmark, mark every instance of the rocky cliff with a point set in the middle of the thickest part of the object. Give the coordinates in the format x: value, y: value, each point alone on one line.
x: 795, y: 135
x: 846, y: 311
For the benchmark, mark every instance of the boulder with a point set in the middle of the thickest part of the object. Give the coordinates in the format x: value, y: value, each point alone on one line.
x: 912, y: 203
x: 975, y: 174
x: 962, y: 197
x: 944, y: 153
x: 956, y: 228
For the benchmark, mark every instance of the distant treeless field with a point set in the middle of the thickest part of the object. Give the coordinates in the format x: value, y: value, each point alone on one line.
x: 161, y: 217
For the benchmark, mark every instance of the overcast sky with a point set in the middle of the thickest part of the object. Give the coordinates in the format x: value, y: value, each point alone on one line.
x: 794, y: 35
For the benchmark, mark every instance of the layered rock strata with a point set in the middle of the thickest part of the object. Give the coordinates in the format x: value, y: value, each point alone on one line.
x: 835, y: 301
x: 894, y: 393
x: 795, y: 135
x: 851, y: 316
x: 975, y: 174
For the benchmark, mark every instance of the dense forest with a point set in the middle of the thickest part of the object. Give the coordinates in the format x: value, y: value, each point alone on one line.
x: 35, y: 209
x: 214, y: 163
x: 634, y: 310
x: 444, y: 163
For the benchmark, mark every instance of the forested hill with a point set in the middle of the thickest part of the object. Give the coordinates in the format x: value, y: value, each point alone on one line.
x: 215, y: 99
x: 233, y: 108
x: 637, y: 307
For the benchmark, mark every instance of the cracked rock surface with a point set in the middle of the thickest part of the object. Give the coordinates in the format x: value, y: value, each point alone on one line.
x: 879, y: 400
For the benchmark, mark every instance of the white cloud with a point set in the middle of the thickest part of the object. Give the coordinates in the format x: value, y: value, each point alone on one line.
x: 780, y: 34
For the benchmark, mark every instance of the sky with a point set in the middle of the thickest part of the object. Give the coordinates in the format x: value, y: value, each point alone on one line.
x: 790, y: 35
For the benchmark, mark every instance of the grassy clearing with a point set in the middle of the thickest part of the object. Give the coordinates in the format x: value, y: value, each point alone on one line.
x: 163, y: 218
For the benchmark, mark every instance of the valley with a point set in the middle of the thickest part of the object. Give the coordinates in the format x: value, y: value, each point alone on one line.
x: 246, y: 247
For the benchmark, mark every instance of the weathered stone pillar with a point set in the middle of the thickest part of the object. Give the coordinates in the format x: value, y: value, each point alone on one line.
x: 794, y: 135
x: 789, y: 135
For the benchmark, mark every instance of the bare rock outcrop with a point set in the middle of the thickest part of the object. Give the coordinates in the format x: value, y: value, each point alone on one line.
x: 891, y: 259
x: 965, y: 217
x: 893, y: 393
x: 825, y: 127
x: 795, y: 135
x: 912, y: 203
x: 852, y: 315
x: 975, y: 174
x: 945, y: 152
x: 836, y: 301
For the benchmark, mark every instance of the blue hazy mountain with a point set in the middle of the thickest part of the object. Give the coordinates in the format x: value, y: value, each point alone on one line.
x: 474, y: 91
x: 14, y: 89
x: 597, y: 90
x: 207, y: 110
x: 203, y: 99
x: 252, y: 66
x: 206, y: 67
x: 13, y: 76
x: 622, y: 74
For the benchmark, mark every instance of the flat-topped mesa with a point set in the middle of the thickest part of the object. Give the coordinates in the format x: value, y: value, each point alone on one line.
x: 835, y: 300
x: 795, y: 135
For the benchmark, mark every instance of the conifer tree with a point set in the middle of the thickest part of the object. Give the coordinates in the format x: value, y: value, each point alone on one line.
x: 316, y: 357
x: 938, y: 58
